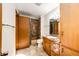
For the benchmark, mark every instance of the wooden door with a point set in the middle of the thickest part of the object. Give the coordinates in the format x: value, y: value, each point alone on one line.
x: 0, y: 25
x: 69, y: 27
x: 24, y: 32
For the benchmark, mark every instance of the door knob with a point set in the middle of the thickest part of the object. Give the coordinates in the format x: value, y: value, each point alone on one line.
x: 62, y: 33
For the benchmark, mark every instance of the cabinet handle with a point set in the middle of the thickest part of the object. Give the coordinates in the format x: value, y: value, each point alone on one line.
x: 62, y: 50
x: 62, y: 33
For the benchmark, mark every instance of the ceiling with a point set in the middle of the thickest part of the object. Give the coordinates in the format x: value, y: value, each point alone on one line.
x: 35, y: 9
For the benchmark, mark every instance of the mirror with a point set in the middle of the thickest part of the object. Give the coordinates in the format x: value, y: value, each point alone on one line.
x: 54, y: 26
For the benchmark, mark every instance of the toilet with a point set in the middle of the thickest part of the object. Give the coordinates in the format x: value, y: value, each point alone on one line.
x: 39, y: 42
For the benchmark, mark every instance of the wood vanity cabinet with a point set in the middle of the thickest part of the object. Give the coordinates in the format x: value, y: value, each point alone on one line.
x: 47, y: 43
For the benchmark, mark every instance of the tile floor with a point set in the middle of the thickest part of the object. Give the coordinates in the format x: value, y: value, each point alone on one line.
x: 32, y: 51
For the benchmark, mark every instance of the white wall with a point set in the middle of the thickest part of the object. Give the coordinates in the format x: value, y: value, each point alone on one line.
x: 54, y: 14
x: 45, y: 21
x: 44, y: 26
x: 8, y: 32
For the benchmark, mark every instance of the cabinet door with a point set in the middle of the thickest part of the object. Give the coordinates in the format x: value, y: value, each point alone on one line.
x: 0, y: 24
x: 69, y: 22
x: 44, y: 44
x: 68, y: 52
x: 47, y: 45
x: 48, y: 49
x: 55, y: 49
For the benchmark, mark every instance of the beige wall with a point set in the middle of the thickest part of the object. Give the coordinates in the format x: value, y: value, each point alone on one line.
x: 8, y: 32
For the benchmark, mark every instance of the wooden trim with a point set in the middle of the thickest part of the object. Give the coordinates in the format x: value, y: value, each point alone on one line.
x: 30, y: 35
x: 70, y: 48
x: 17, y: 31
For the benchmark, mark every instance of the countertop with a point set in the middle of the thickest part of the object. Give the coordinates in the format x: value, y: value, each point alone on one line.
x: 53, y: 38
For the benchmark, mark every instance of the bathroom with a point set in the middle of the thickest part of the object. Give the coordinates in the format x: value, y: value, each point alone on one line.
x: 39, y: 27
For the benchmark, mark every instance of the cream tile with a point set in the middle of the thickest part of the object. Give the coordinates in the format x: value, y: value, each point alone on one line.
x: 32, y: 51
